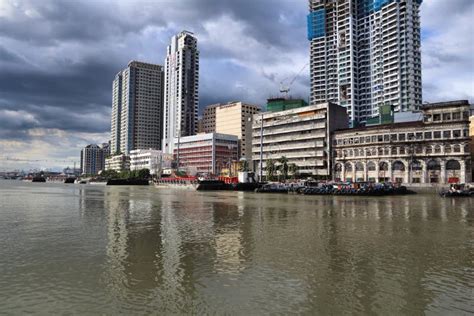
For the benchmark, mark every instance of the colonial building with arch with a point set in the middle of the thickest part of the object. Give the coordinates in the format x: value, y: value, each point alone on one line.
x: 435, y: 149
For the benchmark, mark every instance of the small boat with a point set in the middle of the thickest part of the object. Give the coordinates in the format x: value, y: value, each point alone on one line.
x: 273, y: 188
x: 38, y: 179
x: 70, y: 180
x: 458, y: 190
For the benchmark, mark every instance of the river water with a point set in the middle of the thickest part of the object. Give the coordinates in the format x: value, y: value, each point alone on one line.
x: 72, y: 249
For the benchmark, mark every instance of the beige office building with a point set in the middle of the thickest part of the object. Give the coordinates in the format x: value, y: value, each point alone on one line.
x: 234, y: 118
x: 302, y: 135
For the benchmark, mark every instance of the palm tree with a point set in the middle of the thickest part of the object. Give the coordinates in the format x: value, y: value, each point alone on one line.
x: 293, y: 169
x: 243, y: 165
x: 270, y: 169
x: 283, y: 167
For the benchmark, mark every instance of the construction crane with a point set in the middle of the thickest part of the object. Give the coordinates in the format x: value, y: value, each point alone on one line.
x: 286, y: 88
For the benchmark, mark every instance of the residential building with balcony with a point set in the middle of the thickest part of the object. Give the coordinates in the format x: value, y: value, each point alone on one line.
x: 300, y: 134
x: 93, y: 159
x: 146, y: 159
x: 181, y: 90
x: 434, y: 149
x: 137, y: 108
x: 365, y: 54
x: 119, y: 163
x: 206, y: 153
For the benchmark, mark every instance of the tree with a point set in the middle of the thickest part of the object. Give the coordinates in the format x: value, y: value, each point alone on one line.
x: 143, y: 174
x: 293, y: 169
x: 270, y: 169
x: 283, y: 167
x: 109, y: 174
x: 243, y: 165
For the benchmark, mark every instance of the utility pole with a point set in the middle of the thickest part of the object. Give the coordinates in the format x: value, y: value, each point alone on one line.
x: 261, y: 148
x: 177, y: 154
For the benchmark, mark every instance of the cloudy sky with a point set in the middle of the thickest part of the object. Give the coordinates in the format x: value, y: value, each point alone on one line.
x: 58, y: 59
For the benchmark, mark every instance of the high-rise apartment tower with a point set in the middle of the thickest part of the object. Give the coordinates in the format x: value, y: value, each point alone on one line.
x: 364, y: 54
x: 93, y: 158
x: 137, y: 108
x: 181, y: 89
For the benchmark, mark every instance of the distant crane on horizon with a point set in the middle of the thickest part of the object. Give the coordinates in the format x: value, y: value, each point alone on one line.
x: 285, y: 89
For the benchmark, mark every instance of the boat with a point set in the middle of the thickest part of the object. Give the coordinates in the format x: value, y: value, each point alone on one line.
x: 127, y: 182
x: 38, y: 179
x: 273, y: 188
x: 458, y: 190
x: 69, y: 180
x: 190, y: 183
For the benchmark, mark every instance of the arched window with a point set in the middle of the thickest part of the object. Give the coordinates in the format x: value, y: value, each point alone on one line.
x: 367, y: 152
x: 416, y: 165
x: 453, y: 165
x: 348, y: 167
x: 394, y: 150
x: 383, y: 166
x: 429, y: 150
x: 371, y: 166
x: 386, y: 151
x: 399, y: 166
x: 338, y: 167
x: 467, y: 148
x: 457, y: 149
x: 433, y: 165
x: 447, y: 149
x: 356, y: 152
x: 359, y: 166
x: 437, y: 149
x: 351, y: 153
x: 380, y: 151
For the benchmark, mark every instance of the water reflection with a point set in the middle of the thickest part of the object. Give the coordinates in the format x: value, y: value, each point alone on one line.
x: 164, y: 251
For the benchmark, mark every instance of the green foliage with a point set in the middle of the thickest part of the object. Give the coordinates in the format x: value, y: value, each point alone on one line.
x: 243, y: 165
x: 283, y: 167
x: 270, y: 169
x: 126, y: 174
x: 109, y: 174
x: 293, y: 169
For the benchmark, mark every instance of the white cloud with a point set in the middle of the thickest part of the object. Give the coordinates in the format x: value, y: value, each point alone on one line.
x: 447, y: 50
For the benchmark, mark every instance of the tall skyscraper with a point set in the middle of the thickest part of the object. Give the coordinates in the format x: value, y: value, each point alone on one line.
x: 181, y: 89
x: 364, y: 54
x: 137, y: 108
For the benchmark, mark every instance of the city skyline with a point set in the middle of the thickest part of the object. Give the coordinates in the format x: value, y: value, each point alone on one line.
x: 52, y: 104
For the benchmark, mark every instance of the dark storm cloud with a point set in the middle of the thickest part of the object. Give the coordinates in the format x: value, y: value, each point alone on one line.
x: 58, y: 58
x: 58, y: 82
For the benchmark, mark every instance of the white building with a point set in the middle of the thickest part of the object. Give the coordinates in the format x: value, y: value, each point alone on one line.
x: 137, y: 108
x: 433, y: 149
x: 364, y: 54
x: 93, y: 159
x: 146, y: 159
x: 181, y: 97
x: 301, y: 135
x: 118, y: 163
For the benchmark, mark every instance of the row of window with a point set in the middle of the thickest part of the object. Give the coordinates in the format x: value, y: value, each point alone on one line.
x: 402, y: 137
x: 437, y: 149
